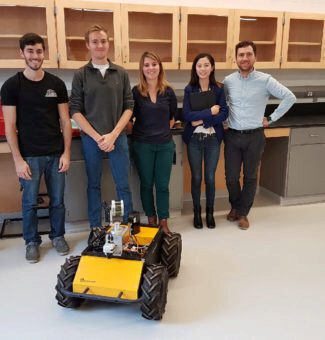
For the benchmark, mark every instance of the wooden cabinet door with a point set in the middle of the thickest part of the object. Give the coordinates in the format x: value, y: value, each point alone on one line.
x: 206, y: 30
x: 74, y: 17
x: 19, y: 17
x: 265, y: 29
x: 150, y: 28
x: 303, y: 41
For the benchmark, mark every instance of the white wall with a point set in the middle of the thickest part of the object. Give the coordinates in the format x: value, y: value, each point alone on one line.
x: 180, y: 78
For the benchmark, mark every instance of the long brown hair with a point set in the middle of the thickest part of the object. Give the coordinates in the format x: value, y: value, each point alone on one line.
x: 162, y: 82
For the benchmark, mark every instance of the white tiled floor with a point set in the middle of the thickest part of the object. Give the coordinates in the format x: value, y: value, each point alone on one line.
x: 264, y: 283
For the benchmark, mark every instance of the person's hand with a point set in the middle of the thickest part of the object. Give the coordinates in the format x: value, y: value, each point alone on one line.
x: 23, y: 170
x: 215, y: 110
x: 265, y: 122
x: 106, y: 142
x: 64, y: 162
x: 129, y: 128
x: 197, y: 122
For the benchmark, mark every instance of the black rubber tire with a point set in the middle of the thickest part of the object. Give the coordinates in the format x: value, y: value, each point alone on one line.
x: 171, y: 252
x: 154, y: 292
x: 65, y: 280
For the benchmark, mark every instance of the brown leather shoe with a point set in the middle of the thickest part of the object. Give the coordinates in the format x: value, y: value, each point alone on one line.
x: 232, y: 215
x: 243, y: 222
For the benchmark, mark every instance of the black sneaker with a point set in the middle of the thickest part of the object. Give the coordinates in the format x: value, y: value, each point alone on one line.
x: 61, y: 245
x: 32, y: 252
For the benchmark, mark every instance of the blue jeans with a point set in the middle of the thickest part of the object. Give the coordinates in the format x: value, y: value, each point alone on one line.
x: 203, y: 149
x: 49, y: 166
x: 119, y: 162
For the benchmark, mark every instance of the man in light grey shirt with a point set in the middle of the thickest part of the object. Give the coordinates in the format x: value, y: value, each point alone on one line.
x: 247, y: 93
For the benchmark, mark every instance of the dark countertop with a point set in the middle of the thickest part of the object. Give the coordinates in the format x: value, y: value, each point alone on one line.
x: 285, y: 122
x: 299, y: 121
x: 300, y: 115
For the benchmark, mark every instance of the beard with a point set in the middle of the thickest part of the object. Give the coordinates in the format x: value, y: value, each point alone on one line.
x: 32, y: 66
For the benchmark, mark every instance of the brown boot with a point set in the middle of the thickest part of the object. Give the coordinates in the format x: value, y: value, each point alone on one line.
x: 243, y: 222
x: 152, y: 220
x: 163, y: 224
x: 232, y: 215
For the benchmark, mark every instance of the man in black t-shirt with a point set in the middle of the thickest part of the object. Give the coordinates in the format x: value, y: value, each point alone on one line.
x: 38, y: 131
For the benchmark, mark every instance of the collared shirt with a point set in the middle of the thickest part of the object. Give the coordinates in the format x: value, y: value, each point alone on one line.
x: 101, y: 100
x: 247, y: 99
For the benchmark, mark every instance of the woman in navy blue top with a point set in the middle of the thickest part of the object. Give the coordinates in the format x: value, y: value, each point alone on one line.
x: 203, y: 133
x: 155, y: 106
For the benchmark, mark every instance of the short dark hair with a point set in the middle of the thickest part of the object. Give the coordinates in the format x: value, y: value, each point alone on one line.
x: 246, y: 43
x: 95, y: 28
x: 194, y: 77
x: 31, y: 39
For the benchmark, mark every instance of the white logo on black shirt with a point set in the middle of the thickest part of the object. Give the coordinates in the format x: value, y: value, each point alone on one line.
x: 50, y: 93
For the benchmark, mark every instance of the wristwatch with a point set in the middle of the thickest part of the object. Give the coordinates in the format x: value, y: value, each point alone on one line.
x: 269, y: 120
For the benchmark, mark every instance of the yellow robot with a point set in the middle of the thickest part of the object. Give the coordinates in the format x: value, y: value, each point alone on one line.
x: 123, y: 263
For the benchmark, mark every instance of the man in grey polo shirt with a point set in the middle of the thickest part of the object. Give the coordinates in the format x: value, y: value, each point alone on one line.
x: 101, y: 103
x: 247, y: 93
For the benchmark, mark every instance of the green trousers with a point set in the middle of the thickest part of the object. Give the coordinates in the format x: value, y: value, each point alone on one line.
x: 154, y: 165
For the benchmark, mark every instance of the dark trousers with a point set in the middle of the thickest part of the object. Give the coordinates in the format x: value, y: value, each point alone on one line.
x: 154, y: 164
x: 243, y: 150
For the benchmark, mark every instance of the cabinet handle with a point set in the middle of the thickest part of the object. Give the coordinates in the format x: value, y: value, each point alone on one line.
x: 312, y: 135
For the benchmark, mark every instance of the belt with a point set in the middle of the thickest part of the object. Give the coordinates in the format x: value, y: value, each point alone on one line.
x: 204, y: 135
x: 246, y: 131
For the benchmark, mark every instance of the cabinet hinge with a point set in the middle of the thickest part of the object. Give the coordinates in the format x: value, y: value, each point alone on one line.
x: 283, y: 20
x: 179, y: 60
x: 58, y: 57
x: 55, y: 10
x: 179, y: 16
x: 280, y: 60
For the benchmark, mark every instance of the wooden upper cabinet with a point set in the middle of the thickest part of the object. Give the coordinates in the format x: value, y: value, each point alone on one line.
x: 303, y: 41
x: 150, y: 28
x: 19, y: 17
x: 74, y: 17
x: 206, y: 30
x: 265, y: 29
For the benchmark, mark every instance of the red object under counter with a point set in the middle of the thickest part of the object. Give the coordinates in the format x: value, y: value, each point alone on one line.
x: 2, y: 122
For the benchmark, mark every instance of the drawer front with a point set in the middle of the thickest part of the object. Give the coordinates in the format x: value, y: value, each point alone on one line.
x: 310, y: 135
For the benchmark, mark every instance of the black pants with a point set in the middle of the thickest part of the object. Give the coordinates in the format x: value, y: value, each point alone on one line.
x: 243, y: 149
